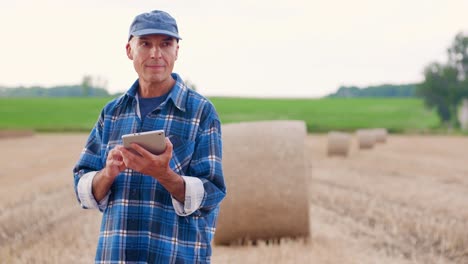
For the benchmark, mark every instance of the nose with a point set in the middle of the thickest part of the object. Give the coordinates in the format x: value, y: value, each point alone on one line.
x: 155, y: 52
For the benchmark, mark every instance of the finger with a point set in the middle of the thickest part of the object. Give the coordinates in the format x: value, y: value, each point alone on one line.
x: 126, y: 161
x: 114, y: 157
x: 117, y: 163
x: 142, y: 151
x: 114, y: 162
x: 116, y: 154
x: 129, y: 158
x: 119, y: 148
x: 169, y: 145
x: 126, y: 153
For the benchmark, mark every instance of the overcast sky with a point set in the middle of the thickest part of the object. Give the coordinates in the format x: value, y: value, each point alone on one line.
x: 288, y: 48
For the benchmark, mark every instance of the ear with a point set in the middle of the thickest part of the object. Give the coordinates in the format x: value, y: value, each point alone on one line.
x: 128, y: 48
x: 177, y: 52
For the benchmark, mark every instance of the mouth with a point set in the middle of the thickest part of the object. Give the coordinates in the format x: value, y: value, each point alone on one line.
x: 154, y: 66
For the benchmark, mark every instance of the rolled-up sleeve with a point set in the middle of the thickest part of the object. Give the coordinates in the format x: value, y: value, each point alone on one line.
x: 88, y: 165
x: 85, y: 193
x: 194, y: 193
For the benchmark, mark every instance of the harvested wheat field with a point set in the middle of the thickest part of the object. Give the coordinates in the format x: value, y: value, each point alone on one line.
x: 404, y: 201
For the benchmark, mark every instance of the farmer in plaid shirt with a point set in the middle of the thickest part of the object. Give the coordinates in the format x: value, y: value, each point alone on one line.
x: 156, y: 208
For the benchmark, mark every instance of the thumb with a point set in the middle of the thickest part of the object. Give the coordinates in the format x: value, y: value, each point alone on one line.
x: 169, y: 146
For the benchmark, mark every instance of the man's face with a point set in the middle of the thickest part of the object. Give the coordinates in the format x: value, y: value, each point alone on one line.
x: 153, y: 57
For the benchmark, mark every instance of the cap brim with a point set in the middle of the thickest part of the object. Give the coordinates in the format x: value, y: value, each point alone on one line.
x: 145, y: 32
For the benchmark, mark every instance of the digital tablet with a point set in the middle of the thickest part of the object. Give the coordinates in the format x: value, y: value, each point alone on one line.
x: 153, y: 141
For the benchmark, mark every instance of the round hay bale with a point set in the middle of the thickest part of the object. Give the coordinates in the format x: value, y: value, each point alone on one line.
x: 380, y: 135
x: 338, y: 143
x: 366, y: 138
x: 266, y: 176
x: 11, y: 133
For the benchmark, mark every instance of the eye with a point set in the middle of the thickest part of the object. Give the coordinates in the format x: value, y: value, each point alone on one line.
x: 143, y: 43
x: 168, y: 43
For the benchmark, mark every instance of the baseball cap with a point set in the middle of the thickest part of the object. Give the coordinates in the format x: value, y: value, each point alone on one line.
x: 154, y: 22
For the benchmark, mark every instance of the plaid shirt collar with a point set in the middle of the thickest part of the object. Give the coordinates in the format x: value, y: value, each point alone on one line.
x: 178, y: 93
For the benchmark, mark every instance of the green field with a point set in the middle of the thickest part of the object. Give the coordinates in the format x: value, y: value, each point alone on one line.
x: 320, y: 115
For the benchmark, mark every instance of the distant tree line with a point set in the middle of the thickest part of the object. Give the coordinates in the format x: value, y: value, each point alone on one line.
x: 385, y: 90
x: 57, y: 91
x: 90, y: 87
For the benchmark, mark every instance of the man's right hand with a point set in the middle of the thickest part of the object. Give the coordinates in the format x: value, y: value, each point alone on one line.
x: 114, y: 164
x: 103, y: 180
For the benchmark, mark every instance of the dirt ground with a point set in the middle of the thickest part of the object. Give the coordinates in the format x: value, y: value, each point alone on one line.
x: 404, y: 201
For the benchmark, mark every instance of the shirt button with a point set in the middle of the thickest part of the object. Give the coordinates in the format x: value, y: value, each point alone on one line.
x: 134, y: 194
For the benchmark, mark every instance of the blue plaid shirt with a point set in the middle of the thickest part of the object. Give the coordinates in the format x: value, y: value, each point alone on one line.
x: 139, y: 223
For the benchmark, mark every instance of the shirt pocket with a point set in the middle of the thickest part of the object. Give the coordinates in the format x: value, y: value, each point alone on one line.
x: 181, y: 154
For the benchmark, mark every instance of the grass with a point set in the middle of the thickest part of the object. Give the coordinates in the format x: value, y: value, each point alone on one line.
x: 50, y: 114
x: 320, y: 115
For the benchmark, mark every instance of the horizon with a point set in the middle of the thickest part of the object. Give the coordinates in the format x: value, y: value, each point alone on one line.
x: 267, y: 96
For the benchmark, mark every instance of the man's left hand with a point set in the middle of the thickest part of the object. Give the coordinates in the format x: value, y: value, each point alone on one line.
x: 143, y: 161
x: 157, y: 166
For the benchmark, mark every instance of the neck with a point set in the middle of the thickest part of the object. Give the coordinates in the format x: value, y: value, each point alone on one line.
x: 152, y: 89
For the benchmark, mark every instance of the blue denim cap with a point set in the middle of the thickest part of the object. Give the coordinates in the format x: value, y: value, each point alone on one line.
x: 154, y: 22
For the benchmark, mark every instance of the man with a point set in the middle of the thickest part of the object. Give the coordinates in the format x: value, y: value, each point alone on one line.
x: 156, y: 208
